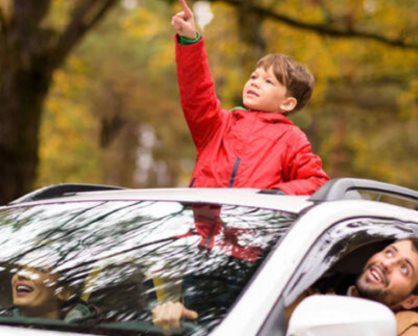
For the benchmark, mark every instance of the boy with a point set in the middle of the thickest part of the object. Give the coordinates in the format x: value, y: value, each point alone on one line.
x: 256, y: 147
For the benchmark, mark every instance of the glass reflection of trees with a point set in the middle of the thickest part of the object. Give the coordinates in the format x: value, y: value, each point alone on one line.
x: 129, y: 254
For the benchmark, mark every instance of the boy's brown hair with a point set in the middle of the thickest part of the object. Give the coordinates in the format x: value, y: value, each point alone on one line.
x: 296, y: 77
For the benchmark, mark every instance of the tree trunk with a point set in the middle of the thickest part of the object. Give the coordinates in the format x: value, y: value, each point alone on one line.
x: 25, y: 78
x: 21, y: 106
x: 29, y: 54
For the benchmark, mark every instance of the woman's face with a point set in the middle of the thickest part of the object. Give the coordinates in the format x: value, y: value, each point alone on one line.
x: 35, y: 290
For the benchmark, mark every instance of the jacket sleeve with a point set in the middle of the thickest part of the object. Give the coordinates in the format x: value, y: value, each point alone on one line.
x: 303, y: 171
x: 199, y: 102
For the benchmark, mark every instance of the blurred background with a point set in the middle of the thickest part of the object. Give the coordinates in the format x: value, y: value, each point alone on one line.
x: 88, y: 90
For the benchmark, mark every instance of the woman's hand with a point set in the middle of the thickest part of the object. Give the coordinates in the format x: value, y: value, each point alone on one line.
x: 168, y: 316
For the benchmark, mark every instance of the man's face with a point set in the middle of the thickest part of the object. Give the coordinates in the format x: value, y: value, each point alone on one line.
x: 391, y: 275
x: 34, y: 290
x: 263, y: 92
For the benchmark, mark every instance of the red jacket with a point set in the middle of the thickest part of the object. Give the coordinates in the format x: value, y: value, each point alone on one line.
x: 241, y: 148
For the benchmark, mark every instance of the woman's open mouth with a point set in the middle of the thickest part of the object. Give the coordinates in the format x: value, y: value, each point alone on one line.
x: 23, y: 289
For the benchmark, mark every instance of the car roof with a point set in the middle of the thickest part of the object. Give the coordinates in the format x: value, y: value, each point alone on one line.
x: 242, y: 197
x: 333, y: 202
x: 335, y: 190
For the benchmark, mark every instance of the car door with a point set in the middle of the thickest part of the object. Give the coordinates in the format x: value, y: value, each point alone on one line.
x: 335, y: 259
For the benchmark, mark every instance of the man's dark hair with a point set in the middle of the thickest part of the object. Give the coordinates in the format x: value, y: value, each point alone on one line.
x: 414, y: 241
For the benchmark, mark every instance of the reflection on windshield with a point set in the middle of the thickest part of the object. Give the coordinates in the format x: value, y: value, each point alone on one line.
x: 105, y: 265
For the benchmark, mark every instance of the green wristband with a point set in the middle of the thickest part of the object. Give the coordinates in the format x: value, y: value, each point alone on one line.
x: 185, y: 40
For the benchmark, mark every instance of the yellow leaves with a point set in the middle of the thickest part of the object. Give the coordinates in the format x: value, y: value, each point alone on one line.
x: 68, y: 150
x: 117, y: 75
x: 365, y: 96
x: 149, y: 25
x: 60, y: 10
x: 144, y: 24
x: 6, y: 8
x: 408, y: 101
x: 66, y: 85
x: 163, y: 58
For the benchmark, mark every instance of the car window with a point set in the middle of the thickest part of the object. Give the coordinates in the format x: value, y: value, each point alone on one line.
x: 119, y: 259
x: 342, y: 240
x: 336, y: 259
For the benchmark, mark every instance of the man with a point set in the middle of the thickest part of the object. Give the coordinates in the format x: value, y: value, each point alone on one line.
x: 389, y: 277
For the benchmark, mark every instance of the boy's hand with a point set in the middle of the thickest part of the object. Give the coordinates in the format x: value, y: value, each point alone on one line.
x: 168, y: 316
x: 183, y: 22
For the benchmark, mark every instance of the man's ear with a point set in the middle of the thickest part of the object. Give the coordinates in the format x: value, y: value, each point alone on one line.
x: 288, y: 104
x: 410, y: 302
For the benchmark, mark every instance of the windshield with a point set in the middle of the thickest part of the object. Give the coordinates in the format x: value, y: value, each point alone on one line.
x: 103, y: 266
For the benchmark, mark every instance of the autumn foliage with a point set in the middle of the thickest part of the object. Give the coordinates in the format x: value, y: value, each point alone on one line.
x: 112, y: 112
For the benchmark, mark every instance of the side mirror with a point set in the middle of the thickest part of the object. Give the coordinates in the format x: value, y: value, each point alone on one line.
x: 330, y: 315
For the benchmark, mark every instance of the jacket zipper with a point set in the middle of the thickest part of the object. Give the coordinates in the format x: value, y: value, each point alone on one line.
x: 230, y: 184
x: 209, y: 239
x: 192, y: 182
x: 211, y: 235
x: 234, y: 173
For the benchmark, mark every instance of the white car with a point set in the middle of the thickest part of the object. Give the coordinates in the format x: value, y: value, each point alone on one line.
x: 236, y: 256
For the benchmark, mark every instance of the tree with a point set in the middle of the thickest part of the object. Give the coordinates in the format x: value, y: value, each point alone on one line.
x: 353, y: 118
x: 33, y: 47
x: 333, y: 26
x: 31, y: 50
x: 121, y: 81
x: 364, y: 56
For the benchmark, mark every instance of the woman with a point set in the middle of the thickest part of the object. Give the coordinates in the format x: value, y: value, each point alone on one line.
x: 38, y: 293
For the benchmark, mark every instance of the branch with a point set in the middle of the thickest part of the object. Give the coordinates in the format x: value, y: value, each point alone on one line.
x: 26, y: 17
x: 324, y: 29
x: 85, y: 16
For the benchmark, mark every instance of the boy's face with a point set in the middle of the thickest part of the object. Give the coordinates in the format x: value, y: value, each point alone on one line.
x: 391, y: 275
x: 34, y: 289
x: 263, y: 92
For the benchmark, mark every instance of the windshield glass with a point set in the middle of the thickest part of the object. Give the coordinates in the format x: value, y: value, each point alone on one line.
x: 103, y: 266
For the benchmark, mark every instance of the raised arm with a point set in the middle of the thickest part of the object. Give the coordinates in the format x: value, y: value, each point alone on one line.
x: 200, y: 105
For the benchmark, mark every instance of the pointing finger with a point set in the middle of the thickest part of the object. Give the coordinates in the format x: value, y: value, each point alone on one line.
x: 186, y: 9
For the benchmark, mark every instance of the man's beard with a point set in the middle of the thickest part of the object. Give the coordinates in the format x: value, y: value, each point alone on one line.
x: 374, y: 294
x: 378, y: 295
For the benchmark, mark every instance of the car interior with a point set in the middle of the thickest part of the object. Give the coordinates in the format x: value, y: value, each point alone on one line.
x: 346, y: 270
